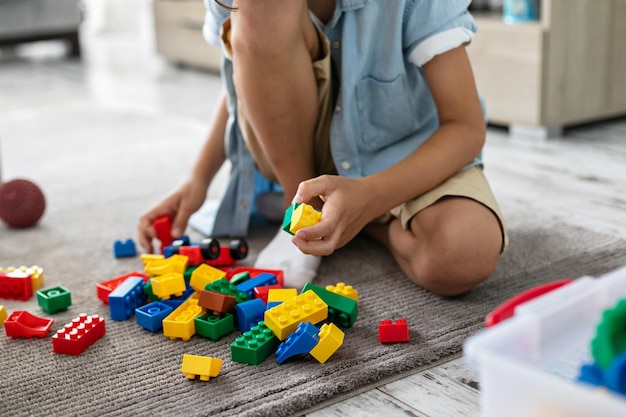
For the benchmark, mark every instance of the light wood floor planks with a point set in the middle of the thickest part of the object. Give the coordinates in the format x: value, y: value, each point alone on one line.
x: 580, y: 178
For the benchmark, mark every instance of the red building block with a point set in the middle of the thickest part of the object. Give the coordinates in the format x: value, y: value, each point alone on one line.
x: 16, y: 285
x: 105, y: 288
x: 263, y: 292
x: 163, y: 228
x: 78, y: 335
x: 23, y: 324
x: 389, y: 332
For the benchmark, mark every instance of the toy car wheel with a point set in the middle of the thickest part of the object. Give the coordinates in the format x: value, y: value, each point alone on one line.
x: 238, y: 249
x: 210, y: 249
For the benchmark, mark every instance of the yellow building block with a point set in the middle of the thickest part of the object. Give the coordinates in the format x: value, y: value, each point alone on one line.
x: 175, y: 263
x: 279, y: 295
x: 203, y: 366
x: 35, y: 272
x: 342, y: 289
x: 180, y: 323
x: 285, y: 317
x: 149, y: 257
x: 3, y: 315
x: 303, y: 216
x: 165, y: 286
x: 203, y: 275
x: 331, y: 338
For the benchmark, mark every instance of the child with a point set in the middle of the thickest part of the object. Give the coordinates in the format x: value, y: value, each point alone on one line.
x: 366, y: 109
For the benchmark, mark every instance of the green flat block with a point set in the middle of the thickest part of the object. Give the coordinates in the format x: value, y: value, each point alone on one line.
x: 214, y: 327
x: 287, y: 218
x: 255, y: 345
x: 54, y: 299
x: 341, y: 310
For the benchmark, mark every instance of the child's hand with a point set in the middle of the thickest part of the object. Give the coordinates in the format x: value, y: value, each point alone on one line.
x: 181, y: 204
x: 346, y: 210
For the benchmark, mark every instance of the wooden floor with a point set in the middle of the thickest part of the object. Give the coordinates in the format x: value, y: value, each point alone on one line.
x: 580, y: 177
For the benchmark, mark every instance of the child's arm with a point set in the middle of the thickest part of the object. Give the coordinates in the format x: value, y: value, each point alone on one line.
x: 352, y: 203
x: 190, y: 195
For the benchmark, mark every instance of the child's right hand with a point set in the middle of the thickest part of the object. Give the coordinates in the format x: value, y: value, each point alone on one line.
x: 181, y: 204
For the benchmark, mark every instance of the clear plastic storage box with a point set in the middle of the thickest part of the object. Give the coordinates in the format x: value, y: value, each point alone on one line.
x: 528, y: 365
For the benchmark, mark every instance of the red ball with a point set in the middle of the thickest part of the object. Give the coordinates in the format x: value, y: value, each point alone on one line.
x: 21, y: 203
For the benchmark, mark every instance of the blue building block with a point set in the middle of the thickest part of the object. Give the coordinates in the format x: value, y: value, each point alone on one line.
x: 273, y: 304
x: 301, y: 341
x: 261, y: 280
x: 124, y: 249
x: 249, y: 313
x: 126, y: 298
x: 151, y: 316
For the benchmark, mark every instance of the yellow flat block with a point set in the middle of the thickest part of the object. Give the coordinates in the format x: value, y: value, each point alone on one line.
x: 331, y: 338
x: 279, y: 295
x: 149, y: 257
x: 285, y: 317
x: 175, y: 263
x: 180, y: 323
x: 342, y: 289
x: 3, y: 315
x: 204, y: 275
x: 165, y: 286
x: 203, y: 366
x: 303, y: 216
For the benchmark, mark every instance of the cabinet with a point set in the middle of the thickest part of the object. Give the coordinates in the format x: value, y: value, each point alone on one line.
x: 179, y: 39
x: 568, y: 68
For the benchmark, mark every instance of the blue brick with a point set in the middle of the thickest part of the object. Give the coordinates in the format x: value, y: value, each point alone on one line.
x: 151, y: 316
x: 126, y: 298
x: 249, y: 313
x: 301, y: 341
x: 261, y: 280
x: 124, y: 249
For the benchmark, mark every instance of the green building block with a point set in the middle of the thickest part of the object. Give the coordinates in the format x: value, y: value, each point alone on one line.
x: 255, y: 345
x: 54, y: 299
x: 287, y: 218
x: 341, y: 310
x: 240, y: 277
x: 214, y: 327
x: 223, y: 286
x: 188, y: 271
x: 147, y: 289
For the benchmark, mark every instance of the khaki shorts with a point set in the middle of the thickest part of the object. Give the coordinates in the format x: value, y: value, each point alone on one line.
x: 470, y: 183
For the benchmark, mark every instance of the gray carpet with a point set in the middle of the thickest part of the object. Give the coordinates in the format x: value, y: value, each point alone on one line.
x: 99, y: 180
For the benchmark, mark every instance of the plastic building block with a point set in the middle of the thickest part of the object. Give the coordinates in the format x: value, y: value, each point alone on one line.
x: 216, y: 302
x: 342, y: 289
x: 263, y: 292
x: 23, y: 324
x: 3, y: 315
x: 591, y: 374
x: 163, y: 227
x: 151, y: 316
x: 203, y: 366
x: 301, y: 341
x: 146, y: 258
x: 224, y: 287
x: 16, y: 285
x: 249, y: 313
x: 165, y: 286
x: 615, y: 376
x: 260, y: 280
x: 280, y: 275
x: 77, y: 336
x: 279, y: 295
x: 285, y: 317
x: 180, y: 323
x: 35, y: 272
x: 214, y: 327
x: 254, y: 346
x: 287, y: 219
x: 194, y: 254
x: 240, y: 278
x: 330, y: 339
x: 342, y: 310
x: 389, y: 332
x: 175, y: 263
x: 125, y: 249
x: 54, y: 299
x: 610, y: 338
x: 105, y: 288
x: 304, y: 216
x: 126, y: 298
x: 204, y: 275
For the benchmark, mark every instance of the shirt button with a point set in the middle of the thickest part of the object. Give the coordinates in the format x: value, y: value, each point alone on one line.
x: 345, y: 165
x: 336, y: 45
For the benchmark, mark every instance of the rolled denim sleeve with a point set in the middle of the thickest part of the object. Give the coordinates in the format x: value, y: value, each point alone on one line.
x: 434, y: 27
x: 215, y: 15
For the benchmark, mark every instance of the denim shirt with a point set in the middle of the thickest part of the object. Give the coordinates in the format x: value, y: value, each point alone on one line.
x: 384, y: 108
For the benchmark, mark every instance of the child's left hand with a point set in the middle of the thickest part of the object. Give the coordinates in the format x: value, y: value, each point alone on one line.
x: 348, y: 207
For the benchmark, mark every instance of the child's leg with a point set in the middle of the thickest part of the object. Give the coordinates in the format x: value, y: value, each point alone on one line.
x: 449, y: 246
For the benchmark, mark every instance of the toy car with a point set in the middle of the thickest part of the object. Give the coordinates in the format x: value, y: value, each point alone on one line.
x: 210, y: 251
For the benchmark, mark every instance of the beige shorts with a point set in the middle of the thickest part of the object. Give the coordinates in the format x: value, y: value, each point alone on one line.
x: 470, y: 183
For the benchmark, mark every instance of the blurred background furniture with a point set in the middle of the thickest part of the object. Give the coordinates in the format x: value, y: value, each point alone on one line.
x: 37, y: 20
